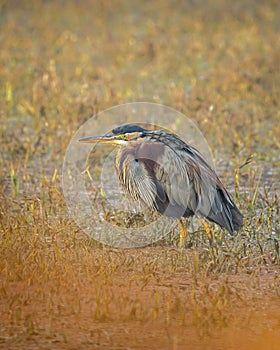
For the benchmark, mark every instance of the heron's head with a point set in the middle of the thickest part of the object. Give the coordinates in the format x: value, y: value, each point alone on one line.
x: 121, y: 135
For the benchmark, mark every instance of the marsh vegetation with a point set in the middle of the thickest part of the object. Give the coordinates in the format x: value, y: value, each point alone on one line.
x: 62, y: 62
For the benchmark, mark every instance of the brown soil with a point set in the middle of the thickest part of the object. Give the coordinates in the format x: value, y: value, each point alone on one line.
x: 137, y: 309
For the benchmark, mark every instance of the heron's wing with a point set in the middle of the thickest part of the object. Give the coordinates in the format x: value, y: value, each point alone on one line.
x: 194, y: 186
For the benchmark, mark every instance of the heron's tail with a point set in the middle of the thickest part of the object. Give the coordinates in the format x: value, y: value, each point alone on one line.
x: 237, y: 218
x: 225, y: 213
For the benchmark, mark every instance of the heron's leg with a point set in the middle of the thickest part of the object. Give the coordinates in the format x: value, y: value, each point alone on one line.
x: 183, y: 233
x: 208, y: 231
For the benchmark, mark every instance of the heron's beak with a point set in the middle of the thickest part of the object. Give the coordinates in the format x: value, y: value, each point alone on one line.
x: 110, y: 139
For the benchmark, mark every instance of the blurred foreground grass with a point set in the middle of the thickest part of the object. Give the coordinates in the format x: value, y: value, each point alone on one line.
x: 62, y: 62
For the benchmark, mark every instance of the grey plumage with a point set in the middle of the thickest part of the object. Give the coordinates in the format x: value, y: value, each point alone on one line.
x: 172, y: 177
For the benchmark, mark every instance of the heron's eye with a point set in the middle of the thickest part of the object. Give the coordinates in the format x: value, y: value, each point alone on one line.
x: 122, y: 137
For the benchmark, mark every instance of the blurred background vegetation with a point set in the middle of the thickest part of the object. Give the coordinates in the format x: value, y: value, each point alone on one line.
x: 217, y: 62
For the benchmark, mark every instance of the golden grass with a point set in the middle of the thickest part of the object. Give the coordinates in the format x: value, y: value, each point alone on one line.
x: 61, y: 62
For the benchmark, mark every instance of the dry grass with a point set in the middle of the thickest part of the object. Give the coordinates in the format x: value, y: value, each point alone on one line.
x: 60, y: 63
